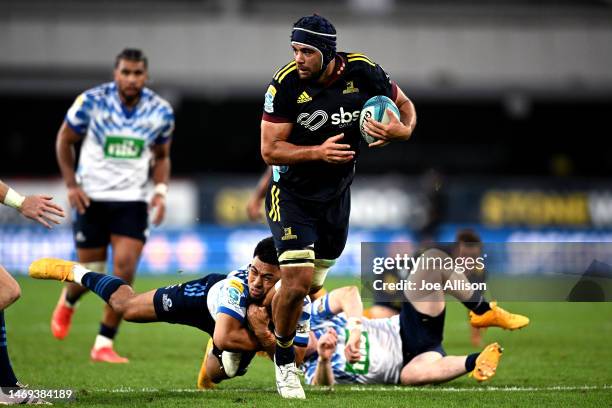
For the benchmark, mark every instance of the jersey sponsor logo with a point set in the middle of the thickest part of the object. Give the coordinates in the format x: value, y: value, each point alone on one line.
x: 344, y: 118
x: 166, y: 302
x: 313, y: 121
x: 123, y: 147
x: 288, y: 235
x: 350, y: 88
x: 304, y: 97
x: 237, y: 285
x: 233, y: 296
x: 269, y: 99
x: 363, y: 365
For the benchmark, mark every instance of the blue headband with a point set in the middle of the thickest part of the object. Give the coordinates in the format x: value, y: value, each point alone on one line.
x: 325, y: 43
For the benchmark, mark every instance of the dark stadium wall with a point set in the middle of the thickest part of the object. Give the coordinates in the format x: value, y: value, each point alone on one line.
x: 457, y: 137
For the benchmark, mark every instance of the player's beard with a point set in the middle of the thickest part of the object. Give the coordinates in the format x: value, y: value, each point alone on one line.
x: 132, y: 97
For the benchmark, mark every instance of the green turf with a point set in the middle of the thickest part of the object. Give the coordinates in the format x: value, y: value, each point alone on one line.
x: 567, y: 345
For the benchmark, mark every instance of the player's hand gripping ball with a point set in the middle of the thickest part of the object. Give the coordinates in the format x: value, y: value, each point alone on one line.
x: 376, y: 108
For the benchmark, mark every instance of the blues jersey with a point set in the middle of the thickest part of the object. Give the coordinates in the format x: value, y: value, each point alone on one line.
x: 381, y: 348
x: 319, y: 111
x: 115, y: 156
x: 231, y: 296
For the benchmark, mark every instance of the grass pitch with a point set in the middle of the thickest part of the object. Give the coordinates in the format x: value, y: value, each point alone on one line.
x: 563, y: 358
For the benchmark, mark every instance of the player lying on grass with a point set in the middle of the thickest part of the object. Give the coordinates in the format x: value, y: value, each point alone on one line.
x: 215, y: 304
x: 404, y: 349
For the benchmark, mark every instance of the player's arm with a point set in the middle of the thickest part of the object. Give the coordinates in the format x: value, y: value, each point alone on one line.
x: 326, y: 347
x: 67, y: 137
x: 39, y: 208
x: 348, y: 300
x: 276, y: 150
x: 231, y: 335
x: 255, y: 201
x: 161, y: 176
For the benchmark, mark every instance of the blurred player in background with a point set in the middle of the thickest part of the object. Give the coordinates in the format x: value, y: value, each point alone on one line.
x: 310, y: 135
x: 123, y: 127
x: 255, y: 204
x: 42, y: 209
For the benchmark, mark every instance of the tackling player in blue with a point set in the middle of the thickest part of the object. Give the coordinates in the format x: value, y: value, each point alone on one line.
x: 216, y: 304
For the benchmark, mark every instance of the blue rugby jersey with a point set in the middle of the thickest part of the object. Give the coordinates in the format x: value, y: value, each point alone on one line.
x: 115, y: 155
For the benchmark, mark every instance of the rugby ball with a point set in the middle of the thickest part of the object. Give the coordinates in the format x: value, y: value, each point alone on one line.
x: 376, y: 108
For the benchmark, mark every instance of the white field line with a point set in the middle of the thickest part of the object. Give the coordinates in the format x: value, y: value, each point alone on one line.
x: 371, y: 389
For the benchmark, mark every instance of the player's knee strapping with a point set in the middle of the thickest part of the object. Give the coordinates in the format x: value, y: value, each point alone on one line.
x: 322, y: 267
x: 297, y: 258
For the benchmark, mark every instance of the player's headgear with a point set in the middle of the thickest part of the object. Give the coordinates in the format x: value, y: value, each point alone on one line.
x: 316, y: 32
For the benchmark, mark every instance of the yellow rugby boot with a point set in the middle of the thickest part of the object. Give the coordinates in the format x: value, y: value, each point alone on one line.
x: 486, y: 363
x: 498, y: 317
x: 205, y: 383
x: 52, y: 268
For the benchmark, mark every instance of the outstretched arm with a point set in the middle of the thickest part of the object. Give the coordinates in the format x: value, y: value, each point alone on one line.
x: 39, y: 208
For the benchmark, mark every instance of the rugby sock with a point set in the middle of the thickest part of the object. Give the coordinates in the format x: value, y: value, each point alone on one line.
x: 70, y: 301
x: 7, y: 376
x: 102, y: 285
x: 284, y: 352
x: 470, y: 362
x: 477, y: 303
x: 107, y: 331
x: 105, y: 337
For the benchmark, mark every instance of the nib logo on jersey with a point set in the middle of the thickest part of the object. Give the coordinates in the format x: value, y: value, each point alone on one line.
x: 313, y: 121
x: 122, y: 147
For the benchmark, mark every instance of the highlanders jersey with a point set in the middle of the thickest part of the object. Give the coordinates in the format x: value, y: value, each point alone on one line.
x: 115, y: 155
x: 231, y: 296
x: 319, y: 111
x: 381, y: 348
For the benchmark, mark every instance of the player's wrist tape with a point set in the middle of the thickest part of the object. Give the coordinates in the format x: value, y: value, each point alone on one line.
x: 354, y: 323
x: 161, y: 189
x: 13, y: 199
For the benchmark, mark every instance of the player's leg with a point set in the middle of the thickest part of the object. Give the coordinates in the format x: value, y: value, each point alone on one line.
x: 482, y: 313
x: 127, y: 226
x: 332, y: 232
x: 293, y: 228
x: 91, y: 237
x: 126, y: 252
x: 9, y: 293
x: 432, y: 367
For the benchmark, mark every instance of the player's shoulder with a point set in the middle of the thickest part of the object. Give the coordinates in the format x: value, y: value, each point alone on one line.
x: 98, y: 92
x: 358, y: 60
x: 157, y: 101
x: 286, y: 75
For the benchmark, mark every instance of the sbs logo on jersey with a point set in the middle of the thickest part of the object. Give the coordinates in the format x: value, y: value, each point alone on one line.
x: 313, y: 121
x: 344, y: 118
